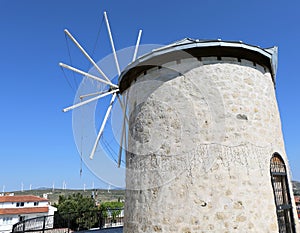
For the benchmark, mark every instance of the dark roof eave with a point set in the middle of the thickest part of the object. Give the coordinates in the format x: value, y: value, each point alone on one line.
x: 158, y: 57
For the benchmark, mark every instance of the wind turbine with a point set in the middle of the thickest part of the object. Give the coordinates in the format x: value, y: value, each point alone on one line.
x: 111, y: 89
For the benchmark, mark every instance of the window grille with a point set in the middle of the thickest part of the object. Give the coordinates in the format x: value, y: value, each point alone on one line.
x: 282, y: 197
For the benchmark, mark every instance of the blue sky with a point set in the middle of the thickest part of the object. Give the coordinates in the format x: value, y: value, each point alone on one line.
x: 36, y: 141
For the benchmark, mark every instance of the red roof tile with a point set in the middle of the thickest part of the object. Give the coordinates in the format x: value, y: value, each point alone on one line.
x: 26, y: 210
x: 23, y: 198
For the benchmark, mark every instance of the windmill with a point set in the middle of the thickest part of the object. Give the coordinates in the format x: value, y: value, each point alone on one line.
x: 109, y: 89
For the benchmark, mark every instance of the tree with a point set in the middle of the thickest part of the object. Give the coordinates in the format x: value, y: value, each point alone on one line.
x: 111, y: 209
x: 75, y: 203
x: 78, y: 211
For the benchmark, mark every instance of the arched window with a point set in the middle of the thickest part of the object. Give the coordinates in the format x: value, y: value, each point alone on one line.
x: 282, y: 197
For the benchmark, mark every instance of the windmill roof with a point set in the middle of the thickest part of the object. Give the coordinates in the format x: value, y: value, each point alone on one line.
x: 21, y: 198
x: 187, y: 48
x: 26, y: 210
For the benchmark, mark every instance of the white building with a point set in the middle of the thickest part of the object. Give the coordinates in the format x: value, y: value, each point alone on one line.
x: 18, y: 208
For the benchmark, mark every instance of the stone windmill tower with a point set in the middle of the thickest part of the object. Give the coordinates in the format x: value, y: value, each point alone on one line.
x: 205, y: 148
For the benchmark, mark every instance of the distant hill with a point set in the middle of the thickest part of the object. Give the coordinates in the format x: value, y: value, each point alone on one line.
x: 53, y: 195
x: 100, y: 194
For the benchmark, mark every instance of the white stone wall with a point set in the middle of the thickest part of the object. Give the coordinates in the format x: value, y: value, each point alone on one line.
x: 4, y: 205
x: 6, y: 223
x: 202, y: 134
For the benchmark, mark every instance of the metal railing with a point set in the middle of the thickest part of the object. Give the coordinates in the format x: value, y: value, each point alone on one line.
x: 69, y: 222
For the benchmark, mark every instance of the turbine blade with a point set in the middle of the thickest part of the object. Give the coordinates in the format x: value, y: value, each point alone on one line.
x: 90, y: 100
x: 121, y: 143
x: 103, y: 125
x: 137, y: 45
x: 86, y: 54
x: 112, y: 43
x: 123, y: 134
x: 92, y: 94
x: 88, y: 75
x: 123, y: 108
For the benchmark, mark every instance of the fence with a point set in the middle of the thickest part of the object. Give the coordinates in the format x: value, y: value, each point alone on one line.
x: 70, y: 222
